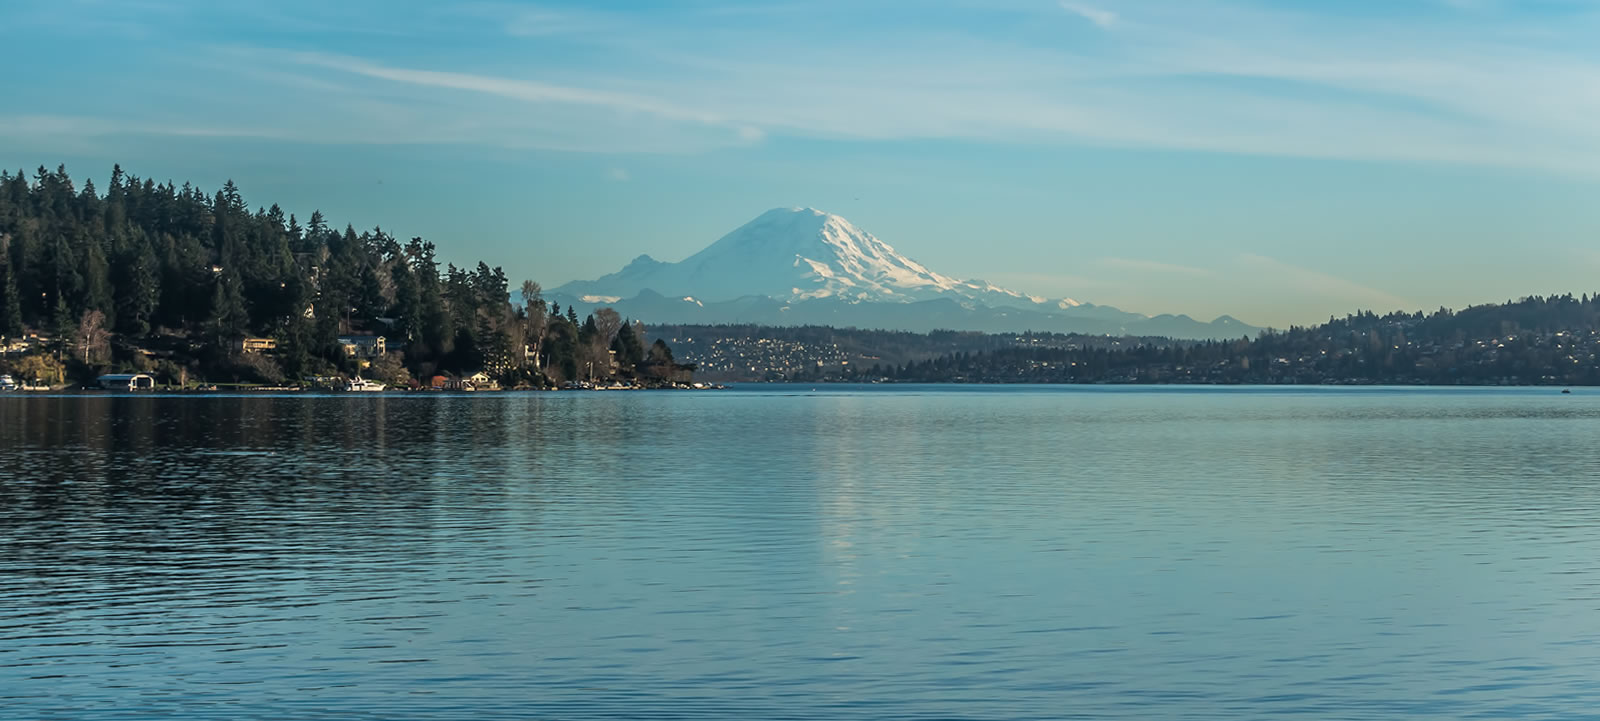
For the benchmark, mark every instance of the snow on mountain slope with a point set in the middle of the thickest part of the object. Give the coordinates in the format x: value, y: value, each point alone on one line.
x: 799, y: 254
x: 797, y: 266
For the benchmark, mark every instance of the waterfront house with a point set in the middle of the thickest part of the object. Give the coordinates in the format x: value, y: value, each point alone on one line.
x: 255, y: 345
x: 127, y: 382
x: 481, y: 381
x: 363, y: 346
x: 23, y: 344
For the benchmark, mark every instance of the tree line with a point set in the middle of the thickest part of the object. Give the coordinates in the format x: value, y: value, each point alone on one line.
x: 1537, y: 340
x: 170, y: 279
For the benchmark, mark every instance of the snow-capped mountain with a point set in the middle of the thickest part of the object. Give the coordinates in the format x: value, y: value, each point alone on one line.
x: 798, y: 254
x: 801, y: 265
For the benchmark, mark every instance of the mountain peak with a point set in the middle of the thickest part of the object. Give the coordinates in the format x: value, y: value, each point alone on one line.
x: 791, y: 226
x: 804, y: 265
x: 795, y: 210
x: 794, y: 254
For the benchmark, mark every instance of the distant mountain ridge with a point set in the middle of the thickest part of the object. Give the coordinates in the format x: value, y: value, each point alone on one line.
x: 794, y: 266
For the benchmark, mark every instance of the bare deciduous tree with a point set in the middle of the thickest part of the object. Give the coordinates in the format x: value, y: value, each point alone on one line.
x: 608, y: 322
x: 93, y: 340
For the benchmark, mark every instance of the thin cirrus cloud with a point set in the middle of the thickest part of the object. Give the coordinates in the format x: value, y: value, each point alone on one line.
x: 74, y: 126
x: 1151, y: 266
x: 1510, y: 88
x: 1233, y: 286
x: 379, y: 102
x: 1228, y: 77
x: 524, y: 90
x: 1103, y: 18
x: 1312, y: 284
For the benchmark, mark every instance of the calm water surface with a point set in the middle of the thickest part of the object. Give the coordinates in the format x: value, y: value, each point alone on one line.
x: 991, y: 553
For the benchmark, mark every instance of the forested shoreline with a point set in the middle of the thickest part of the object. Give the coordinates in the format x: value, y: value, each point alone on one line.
x: 195, y: 287
x: 1538, y: 340
x: 188, y: 285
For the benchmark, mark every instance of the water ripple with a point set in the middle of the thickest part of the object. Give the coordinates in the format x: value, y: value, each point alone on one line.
x: 859, y: 553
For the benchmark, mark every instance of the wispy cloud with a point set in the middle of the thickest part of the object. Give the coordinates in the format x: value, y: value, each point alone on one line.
x: 1305, y: 282
x: 538, y: 22
x: 1210, y: 75
x: 86, y: 126
x: 1256, y: 288
x: 1103, y: 18
x: 1228, y: 76
x: 453, y: 107
x: 1150, y: 266
x: 620, y: 175
x: 525, y: 90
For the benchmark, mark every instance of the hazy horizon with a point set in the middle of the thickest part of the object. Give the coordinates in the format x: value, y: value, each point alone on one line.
x: 1276, y: 165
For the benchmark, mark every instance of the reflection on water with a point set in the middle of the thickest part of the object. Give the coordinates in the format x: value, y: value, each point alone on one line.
x: 870, y: 553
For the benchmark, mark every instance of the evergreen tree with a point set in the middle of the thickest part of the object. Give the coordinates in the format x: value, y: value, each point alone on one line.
x: 227, y: 318
x: 630, y: 352
x: 561, y: 342
x: 137, y: 290
x: 660, y: 353
x: 294, y: 347
x: 408, y: 308
x: 67, y: 287
x: 96, y: 280
x: 61, y: 322
x: 10, y: 302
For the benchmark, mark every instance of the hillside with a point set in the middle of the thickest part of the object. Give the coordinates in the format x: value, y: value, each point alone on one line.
x: 183, y: 284
x: 1551, y: 340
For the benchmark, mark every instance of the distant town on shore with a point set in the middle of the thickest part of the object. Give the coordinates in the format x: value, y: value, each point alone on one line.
x: 156, y: 285
x: 1532, y: 341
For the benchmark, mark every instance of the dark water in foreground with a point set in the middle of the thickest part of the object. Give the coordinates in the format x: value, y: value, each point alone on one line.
x: 777, y: 553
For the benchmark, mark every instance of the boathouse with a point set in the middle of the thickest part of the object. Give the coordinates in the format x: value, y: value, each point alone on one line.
x: 127, y: 382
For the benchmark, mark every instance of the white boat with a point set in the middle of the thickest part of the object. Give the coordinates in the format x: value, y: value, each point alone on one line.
x: 7, y: 383
x: 359, y: 385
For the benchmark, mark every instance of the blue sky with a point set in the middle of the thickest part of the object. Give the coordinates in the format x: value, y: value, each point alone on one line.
x: 1280, y: 162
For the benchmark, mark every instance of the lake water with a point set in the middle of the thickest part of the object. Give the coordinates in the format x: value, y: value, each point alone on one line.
x: 777, y: 553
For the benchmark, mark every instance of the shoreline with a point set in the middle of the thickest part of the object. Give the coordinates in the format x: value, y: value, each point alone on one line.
x: 886, y: 389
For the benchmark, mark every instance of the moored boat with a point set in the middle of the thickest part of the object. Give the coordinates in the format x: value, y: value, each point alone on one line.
x: 361, y: 385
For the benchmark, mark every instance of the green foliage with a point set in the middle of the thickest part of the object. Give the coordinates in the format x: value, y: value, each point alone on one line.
x: 630, y: 352
x: 659, y: 352
x: 254, y: 368
x: 137, y: 289
x: 390, y: 369
x: 172, y: 266
x: 561, y: 348
x: 10, y: 299
x: 40, y: 368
